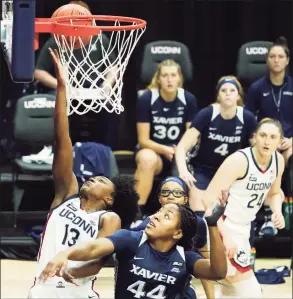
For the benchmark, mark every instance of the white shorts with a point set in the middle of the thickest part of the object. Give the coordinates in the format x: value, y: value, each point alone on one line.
x: 62, y: 290
x: 239, y: 233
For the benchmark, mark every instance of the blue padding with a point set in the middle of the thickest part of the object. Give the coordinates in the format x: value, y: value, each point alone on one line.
x: 23, y: 54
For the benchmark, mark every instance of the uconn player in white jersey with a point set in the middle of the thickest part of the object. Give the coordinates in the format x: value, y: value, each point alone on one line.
x: 164, y: 112
x: 154, y: 263
x: 76, y: 217
x: 253, y: 176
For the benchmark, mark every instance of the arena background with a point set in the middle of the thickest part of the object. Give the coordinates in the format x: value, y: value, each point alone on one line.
x: 212, y: 30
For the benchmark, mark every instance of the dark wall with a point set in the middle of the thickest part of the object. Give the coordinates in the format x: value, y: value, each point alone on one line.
x: 213, y: 31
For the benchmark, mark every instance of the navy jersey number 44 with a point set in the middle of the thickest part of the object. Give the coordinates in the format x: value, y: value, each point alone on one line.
x: 143, y: 272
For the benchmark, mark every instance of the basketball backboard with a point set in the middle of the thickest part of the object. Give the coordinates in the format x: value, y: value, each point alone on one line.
x: 91, y: 84
x: 17, y: 38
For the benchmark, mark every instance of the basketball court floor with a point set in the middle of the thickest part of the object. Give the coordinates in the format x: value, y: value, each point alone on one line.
x: 17, y: 278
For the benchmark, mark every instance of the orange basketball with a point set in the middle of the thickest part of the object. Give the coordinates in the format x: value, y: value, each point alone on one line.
x: 74, y: 10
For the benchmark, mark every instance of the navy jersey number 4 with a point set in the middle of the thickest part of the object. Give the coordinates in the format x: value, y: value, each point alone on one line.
x: 221, y: 137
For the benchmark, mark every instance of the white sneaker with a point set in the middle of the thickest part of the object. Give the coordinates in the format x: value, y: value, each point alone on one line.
x: 49, y: 159
x: 39, y: 158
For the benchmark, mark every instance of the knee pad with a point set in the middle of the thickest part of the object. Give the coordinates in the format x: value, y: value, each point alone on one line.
x: 249, y: 288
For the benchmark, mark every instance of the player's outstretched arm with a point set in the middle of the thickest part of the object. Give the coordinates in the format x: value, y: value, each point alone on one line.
x: 64, y: 179
x: 110, y: 222
x: 214, y: 268
x: 87, y: 269
x: 82, y: 252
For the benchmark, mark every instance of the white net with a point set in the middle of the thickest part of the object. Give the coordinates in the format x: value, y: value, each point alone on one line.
x: 94, y: 72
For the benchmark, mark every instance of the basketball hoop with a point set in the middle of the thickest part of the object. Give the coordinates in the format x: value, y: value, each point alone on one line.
x: 93, y: 85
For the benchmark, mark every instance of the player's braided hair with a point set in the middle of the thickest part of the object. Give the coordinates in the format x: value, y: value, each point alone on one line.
x: 125, y: 199
x: 188, y: 227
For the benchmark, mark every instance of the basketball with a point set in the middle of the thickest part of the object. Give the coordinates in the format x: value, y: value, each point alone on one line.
x: 74, y: 10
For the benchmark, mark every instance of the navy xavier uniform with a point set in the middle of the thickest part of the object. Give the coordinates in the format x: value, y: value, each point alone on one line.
x: 143, y: 272
x: 167, y: 119
x: 200, y: 241
x: 219, y: 138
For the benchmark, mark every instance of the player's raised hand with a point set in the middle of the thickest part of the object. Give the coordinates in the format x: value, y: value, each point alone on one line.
x: 54, y: 267
x: 214, y: 213
x: 278, y: 220
x: 58, y: 67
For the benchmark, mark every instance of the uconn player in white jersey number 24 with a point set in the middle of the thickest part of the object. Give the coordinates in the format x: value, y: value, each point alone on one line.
x: 78, y: 217
x: 253, y: 176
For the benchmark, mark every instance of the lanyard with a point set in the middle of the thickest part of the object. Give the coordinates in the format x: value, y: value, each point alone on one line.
x: 277, y: 103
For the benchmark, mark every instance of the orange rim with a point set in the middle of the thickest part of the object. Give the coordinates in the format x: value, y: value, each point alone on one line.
x: 59, y: 25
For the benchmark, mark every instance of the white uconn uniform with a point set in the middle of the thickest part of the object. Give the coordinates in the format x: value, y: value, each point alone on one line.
x: 67, y: 225
x: 246, y: 196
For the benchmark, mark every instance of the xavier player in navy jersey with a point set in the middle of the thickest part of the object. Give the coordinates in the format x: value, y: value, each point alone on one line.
x: 172, y: 189
x: 221, y: 129
x: 154, y: 263
x: 164, y: 112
